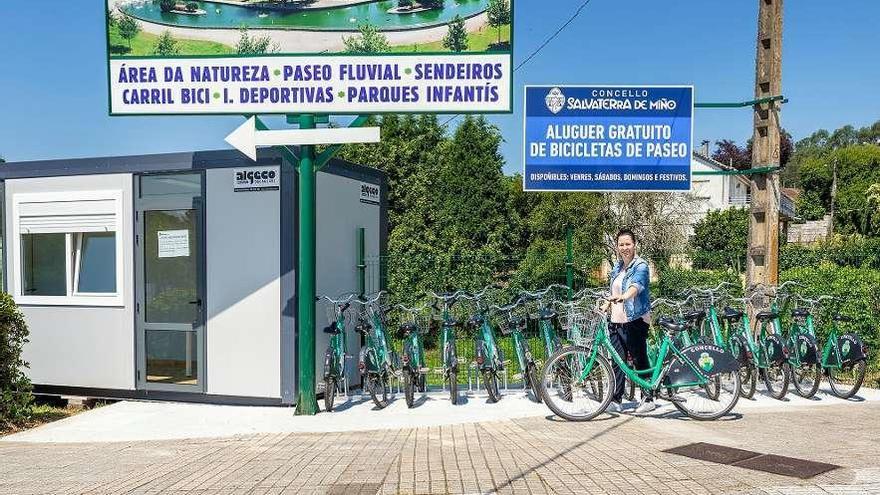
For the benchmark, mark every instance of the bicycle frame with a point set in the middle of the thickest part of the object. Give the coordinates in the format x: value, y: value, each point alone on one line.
x: 490, y: 351
x: 338, y: 349
x: 657, y: 371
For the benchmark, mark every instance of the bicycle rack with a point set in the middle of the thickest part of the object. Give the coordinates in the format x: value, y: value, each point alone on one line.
x: 473, y: 368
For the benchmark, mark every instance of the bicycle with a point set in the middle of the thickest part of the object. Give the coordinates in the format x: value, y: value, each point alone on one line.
x: 844, y: 356
x: 514, y: 326
x: 803, y: 352
x: 711, y: 329
x: 488, y: 356
x: 413, y: 357
x: 546, y: 318
x: 377, y: 360
x: 770, y: 353
x: 447, y: 342
x: 337, y: 350
x: 678, y: 375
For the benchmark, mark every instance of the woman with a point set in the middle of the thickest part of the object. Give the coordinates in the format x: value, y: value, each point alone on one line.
x: 630, y: 305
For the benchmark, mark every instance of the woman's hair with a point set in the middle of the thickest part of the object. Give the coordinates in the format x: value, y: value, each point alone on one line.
x: 623, y: 232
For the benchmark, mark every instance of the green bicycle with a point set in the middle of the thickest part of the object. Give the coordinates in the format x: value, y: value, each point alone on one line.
x: 844, y: 355
x: 377, y: 362
x: 577, y: 381
x: 413, y: 358
x: 447, y: 340
x: 514, y: 326
x: 490, y: 361
x: 337, y: 350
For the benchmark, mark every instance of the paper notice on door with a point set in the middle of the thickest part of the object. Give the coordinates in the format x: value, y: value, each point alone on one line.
x: 173, y: 243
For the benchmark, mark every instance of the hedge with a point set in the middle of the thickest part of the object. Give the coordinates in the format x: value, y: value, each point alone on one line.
x: 15, y: 388
x: 674, y: 280
x: 853, y: 251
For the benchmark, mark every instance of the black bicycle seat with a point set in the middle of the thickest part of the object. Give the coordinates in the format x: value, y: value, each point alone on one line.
x: 732, y: 314
x: 331, y: 329
x: 671, y: 325
x: 698, y: 314
x: 842, y: 318
x: 800, y: 312
x: 767, y: 315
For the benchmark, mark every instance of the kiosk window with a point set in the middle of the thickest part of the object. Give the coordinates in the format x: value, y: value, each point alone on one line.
x: 96, y: 266
x: 43, y: 265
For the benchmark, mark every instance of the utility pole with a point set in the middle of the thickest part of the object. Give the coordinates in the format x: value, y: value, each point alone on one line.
x: 762, y: 265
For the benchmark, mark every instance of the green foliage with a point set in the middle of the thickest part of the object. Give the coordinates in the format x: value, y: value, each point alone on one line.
x: 858, y: 293
x: 254, y: 45
x: 498, y: 13
x: 192, y: 6
x: 370, y: 40
x: 456, y: 38
x: 720, y: 239
x: 15, y: 388
x: 167, y: 5
x: 852, y: 251
x: 809, y: 206
x: 404, y: 4
x: 672, y: 281
x: 433, y: 4
x: 128, y: 28
x: 166, y: 45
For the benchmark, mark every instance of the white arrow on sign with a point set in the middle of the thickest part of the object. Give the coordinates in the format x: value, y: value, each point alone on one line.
x: 246, y: 138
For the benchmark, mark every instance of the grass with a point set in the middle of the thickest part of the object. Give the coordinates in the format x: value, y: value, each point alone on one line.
x: 41, y: 413
x: 144, y: 44
x: 479, y: 41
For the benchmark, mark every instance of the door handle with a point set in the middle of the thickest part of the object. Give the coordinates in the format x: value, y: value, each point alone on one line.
x: 197, y: 301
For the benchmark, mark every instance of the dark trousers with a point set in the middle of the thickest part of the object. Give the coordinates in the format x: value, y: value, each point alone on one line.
x: 629, y: 338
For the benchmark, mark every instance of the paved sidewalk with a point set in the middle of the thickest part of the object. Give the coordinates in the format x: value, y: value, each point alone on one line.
x: 533, y: 455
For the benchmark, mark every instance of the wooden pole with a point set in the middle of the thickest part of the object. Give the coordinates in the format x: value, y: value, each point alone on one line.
x: 763, y: 257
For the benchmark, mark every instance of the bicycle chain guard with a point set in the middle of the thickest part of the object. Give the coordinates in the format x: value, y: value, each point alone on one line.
x: 708, y: 360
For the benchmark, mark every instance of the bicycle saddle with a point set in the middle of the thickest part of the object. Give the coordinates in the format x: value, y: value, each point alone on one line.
x: 331, y: 329
x: 671, y: 325
x: 800, y: 312
x: 732, y: 314
x: 842, y: 318
x: 767, y: 315
x: 698, y: 314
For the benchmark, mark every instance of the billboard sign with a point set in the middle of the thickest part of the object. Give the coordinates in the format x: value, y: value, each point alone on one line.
x: 608, y: 138
x: 316, y: 56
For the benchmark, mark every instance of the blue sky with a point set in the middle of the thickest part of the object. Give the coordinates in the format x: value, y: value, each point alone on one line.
x: 54, y: 89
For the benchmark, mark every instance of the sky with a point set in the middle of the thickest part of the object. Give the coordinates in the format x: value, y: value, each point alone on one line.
x: 53, y: 81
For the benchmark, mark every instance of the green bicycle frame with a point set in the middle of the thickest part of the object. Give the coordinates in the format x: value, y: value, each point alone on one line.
x: 487, y: 336
x: 549, y: 335
x: 378, y: 345
x: 448, y: 341
x: 416, y: 350
x: 715, y: 327
x: 656, y: 370
x: 338, y: 349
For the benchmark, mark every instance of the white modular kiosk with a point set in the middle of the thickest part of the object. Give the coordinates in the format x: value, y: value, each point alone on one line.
x: 173, y: 276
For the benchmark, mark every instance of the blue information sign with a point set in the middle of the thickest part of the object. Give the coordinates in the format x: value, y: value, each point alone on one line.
x: 608, y: 138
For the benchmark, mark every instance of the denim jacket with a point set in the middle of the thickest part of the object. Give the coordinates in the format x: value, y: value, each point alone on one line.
x: 638, y: 275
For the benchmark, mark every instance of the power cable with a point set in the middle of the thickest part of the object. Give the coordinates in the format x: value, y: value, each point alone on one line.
x: 536, y: 51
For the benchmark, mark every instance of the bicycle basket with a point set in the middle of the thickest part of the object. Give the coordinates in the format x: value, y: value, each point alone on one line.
x: 580, y: 325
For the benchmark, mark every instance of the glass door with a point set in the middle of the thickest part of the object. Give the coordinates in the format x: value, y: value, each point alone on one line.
x: 170, y: 306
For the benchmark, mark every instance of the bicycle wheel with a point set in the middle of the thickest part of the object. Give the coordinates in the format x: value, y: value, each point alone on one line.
x: 570, y: 391
x: 532, y: 377
x: 453, y: 387
x: 423, y: 383
x: 806, y: 379
x: 490, y: 381
x: 409, y: 386
x: 379, y: 390
x: 748, y: 381
x: 776, y: 380
x: 847, y: 380
x: 329, y: 392
x: 697, y: 404
x: 713, y: 388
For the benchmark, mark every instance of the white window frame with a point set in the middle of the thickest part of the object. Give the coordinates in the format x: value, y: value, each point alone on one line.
x: 73, y: 244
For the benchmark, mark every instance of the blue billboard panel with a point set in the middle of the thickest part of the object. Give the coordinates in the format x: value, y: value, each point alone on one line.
x: 608, y: 138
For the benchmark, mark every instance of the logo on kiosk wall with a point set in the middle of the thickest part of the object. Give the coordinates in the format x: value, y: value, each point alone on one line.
x: 256, y: 179
x: 369, y: 193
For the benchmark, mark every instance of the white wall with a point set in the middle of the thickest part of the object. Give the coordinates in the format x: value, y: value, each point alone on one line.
x: 243, y: 329
x: 339, y: 215
x: 80, y: 346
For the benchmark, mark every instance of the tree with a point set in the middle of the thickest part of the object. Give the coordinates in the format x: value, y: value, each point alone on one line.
x: 370, y: 40
x: 15, y: 387
x: 456, y: 39
x: 433, y: 4
x: 404, y: 4
x: 167, y: 5
x: 499, y: 15
x: 192, y: 6
x: 128, y: 29
x: 720, y: 239
x: 729, y: 153
x: 252, y: 45
x: 166, y: 45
